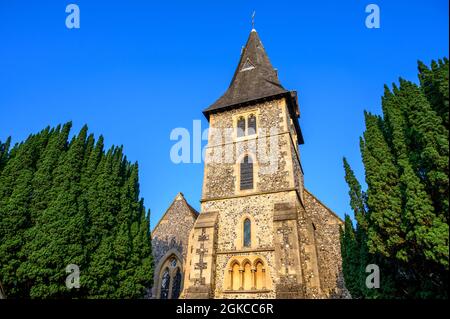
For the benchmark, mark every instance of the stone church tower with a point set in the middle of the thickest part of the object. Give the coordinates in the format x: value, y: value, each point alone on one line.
x: 260, y: 233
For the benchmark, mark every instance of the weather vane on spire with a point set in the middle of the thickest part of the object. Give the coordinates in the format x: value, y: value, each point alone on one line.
x: 253, y: 20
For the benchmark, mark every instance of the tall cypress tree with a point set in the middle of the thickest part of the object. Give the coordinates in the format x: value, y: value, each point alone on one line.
x: 351, y: 259
x: 355, y: 251
x: 60, y: 228
x: 142, y: 259
x: 383, y: 194
x: 434, y: 83
x: 41, y: 183
x: 71, y: 203
x: 15, y: 217
x: 405, y: 226
x: 4, y: 152
x: 429, y: 142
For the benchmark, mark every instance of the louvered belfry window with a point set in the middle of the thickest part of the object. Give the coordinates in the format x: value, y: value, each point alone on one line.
x: 246, y: 173
x: 251, y: 124
x: 241, y: 127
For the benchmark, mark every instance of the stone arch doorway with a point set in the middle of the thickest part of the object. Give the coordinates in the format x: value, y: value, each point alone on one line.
x: 168, y: 282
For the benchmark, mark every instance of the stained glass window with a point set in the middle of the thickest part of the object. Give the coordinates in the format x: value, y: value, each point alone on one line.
x: 247, y: 232
x: 165, y: 284
x: 176, y: 288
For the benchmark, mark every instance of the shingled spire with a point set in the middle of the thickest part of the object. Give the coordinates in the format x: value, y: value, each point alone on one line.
x: 254, y: 78
x: 254, y: 81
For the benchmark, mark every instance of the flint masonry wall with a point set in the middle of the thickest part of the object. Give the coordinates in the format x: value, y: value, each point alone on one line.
x: 221, y: 178
x: 229, y: 241
x: 172, y: 231
x: 327, y: 241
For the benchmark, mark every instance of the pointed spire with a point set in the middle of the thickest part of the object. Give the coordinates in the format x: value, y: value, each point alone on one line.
x: 254, y: 78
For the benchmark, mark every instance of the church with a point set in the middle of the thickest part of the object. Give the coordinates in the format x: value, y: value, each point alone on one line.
x: 259, y: 233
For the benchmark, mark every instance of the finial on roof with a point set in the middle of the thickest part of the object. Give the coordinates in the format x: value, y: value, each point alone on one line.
x: 179, y: 196
x: 253, y: 21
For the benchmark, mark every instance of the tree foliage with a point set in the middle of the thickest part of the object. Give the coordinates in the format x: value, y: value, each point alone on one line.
x: 69, y: 202
x: 402, y: 217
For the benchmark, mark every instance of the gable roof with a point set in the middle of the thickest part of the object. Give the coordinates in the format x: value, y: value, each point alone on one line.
x: 179, y: 196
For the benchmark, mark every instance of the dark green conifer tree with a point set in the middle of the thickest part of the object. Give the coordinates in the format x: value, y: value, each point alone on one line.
x: 4, y: 152
x: 71, y: 203
x: 404, y: 229
x: 15, y: 216
x: 434, y: 83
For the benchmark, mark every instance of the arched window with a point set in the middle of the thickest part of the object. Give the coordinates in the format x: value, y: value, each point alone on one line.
x: 165, y: 284
x: 170, y: 278
x: 176, y: 287
x: 246, y: 181
x: 251, y: 124
x: 247, y: 233
x: 241, y: 127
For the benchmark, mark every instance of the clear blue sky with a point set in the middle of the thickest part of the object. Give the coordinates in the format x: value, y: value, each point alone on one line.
x: 137, y: 69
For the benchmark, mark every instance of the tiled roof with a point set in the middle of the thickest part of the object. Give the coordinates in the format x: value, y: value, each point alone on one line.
x: 254, y: 78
